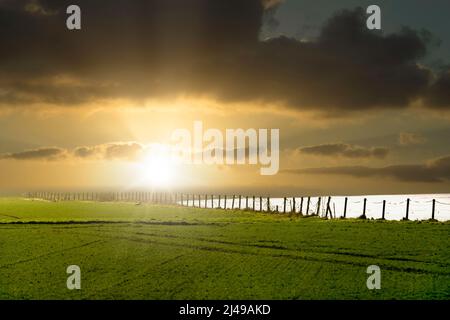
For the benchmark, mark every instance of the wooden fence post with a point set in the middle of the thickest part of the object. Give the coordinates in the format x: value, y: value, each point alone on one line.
x: 253, y: 203
x: 301, y: 206
x: 284, y: 205
x: 384, y: 209
x: 240, y: 198
x: 345, y: 207
x: 268, y: 204
x: 433, y: 209
x: 219, y: 201
x: 318, y: 205
x: 293, y: 205
x: 407, y: 209
x: 364, y: 208
x: 232, y: 202
x: 328, y: 208
x: 225, y: 204
x: 307, y: 206
x: 260, y: 204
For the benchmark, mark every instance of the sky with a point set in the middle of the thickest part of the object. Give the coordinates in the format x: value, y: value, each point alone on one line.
x: 359, y: 111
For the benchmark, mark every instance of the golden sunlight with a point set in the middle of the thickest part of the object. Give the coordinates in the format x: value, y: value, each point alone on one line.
x: 157, y: 168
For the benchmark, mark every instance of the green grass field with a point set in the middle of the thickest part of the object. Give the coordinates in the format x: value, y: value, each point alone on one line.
x: 130, y: 251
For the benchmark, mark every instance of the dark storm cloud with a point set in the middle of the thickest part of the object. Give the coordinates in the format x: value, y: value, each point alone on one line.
x: 437, y: 170
x: 345, y: 150
x: 164, y: 48
x: 439, y: 93
x: 21, y: 93
x: 50, y: 153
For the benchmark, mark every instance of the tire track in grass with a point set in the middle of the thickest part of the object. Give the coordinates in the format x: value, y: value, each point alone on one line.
x: 263, y: 246
x: 284, y: 248
x: 180, y: 286
x: 289, y: 254
x: 50, y: 254
x: 138, y: 275
x: 8, y: 216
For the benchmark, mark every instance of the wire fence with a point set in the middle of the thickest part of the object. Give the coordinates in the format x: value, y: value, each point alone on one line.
x: 389, y: 207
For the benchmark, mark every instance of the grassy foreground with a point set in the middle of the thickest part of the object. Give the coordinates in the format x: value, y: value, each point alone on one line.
x: 129, y: 251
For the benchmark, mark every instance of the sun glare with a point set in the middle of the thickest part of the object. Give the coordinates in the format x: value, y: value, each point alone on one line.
x: 157, y: 168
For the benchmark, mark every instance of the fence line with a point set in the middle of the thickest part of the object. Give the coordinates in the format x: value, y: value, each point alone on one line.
x: 307, y: 205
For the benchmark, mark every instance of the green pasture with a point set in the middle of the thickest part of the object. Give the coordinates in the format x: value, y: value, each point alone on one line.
x: 142, y: 251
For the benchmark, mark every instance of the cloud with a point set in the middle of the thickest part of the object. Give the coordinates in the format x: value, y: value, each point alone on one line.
x: 410, y: 138
x: 111, y: 151
x: 345, y: 150
x: 87, y: 152
x: 141, y: 49
x: 49, y: 153
x: 271, y: 3
x: 437, y: 170
x: 438, y: 94
x: 127, y: 151
x: 34, y: 7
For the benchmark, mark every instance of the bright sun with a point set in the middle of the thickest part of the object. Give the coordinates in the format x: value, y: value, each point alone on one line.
x: 158, y: 170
